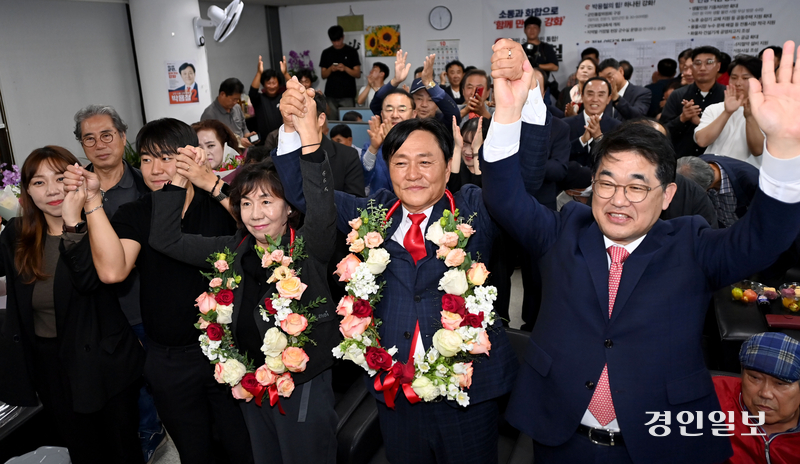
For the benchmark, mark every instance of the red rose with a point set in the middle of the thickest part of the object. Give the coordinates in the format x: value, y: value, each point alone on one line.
x: 215, y: 332
x: 250, y: 384
x: 454, y: 304
x: 224, y: 297
x: 404, y: 373
x: 473, y: 320
x: 378, y: 358
x: 362, y: 308
x: 268, y: 306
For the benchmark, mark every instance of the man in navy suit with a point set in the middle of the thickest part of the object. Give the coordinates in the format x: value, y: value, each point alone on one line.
x: 593, y: 122
x: 618, y: 338
x: 730, y: 183
x: 628, y: 101
x: 416, y: 152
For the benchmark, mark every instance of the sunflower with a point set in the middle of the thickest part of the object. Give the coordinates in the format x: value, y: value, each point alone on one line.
x: 388, y: 36
x: 371, y: 42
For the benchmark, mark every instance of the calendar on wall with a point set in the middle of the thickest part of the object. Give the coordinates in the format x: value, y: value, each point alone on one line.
x: 446, y: 51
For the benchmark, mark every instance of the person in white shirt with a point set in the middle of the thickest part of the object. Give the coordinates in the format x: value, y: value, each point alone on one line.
x: 729, y: 128
x: 375, y: 78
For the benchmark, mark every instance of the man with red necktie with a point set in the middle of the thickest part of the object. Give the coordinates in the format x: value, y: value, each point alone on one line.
x: 417, y: 152
x: 618, y: 338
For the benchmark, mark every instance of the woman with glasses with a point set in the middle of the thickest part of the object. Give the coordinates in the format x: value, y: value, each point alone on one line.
x: 65, y: 338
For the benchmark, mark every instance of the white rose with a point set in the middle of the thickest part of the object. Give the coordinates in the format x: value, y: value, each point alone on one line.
x: 275, y: 364
x: 355, y: 354
x: 274, y: 342
x: 462, y: 398
x: 224, y: 314
x: 447, y: 342
x: 378, y: 260
x: 435, y: 233
x: 425, y: 389
x: 232, y: 372
x: 454, y: 282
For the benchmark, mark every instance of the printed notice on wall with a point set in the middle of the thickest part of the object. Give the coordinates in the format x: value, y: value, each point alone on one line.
x: 180, y: 82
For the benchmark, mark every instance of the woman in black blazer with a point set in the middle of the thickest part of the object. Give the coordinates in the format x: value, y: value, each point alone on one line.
x: 65, y: 337
x: 307, y: 430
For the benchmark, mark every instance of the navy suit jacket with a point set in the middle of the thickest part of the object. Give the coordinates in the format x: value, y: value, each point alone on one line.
x: 743, y: 177
x: 652, y: 342
x: 634, y: 104
x: 579, y: 153
x: 555, y: 169
x: 411, y: 293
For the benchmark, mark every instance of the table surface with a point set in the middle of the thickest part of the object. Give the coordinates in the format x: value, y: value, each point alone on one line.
x: 739, y: 321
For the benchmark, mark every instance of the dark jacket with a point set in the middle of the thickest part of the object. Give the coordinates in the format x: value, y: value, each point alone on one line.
x: 634, y: 104
x: 743, y: 177
x: 98, y: 349
x: 682, y: 133
x: 577, y: 125
x: 555, y: 167
x: 348, y: 173
x: 318, y: 232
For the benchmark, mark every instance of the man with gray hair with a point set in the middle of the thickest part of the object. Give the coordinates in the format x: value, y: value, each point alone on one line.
x: 101, y: 132
x: 730, y: 183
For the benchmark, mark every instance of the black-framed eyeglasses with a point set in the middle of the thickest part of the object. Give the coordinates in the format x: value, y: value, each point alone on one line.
x: 635, y: 193
x: 709, y: 62
x: 105, y: 137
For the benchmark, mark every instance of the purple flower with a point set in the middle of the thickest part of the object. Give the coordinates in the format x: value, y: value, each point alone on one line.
x: 10, y: 177
x: 293, y: 54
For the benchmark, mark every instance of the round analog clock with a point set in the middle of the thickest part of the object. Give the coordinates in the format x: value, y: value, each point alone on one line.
x: 440, y: 18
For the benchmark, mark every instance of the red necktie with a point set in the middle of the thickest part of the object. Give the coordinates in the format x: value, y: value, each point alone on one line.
x: 601, y: 406
x: 414, y: 242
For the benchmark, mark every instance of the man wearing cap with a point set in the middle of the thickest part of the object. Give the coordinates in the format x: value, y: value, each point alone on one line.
x: 428, y: 96
x: 770, y: 382
x: 390, y: 104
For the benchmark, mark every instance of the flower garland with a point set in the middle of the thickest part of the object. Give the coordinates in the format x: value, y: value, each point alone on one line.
x: 445, y: 370
x: 283, y: 344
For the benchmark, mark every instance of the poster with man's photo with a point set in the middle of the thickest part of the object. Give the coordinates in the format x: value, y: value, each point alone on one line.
x: 180, y: 82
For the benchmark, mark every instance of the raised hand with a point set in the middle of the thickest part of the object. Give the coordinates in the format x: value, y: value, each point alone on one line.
x: 477, y: 140
x: 774, y: 102
x: 293, y: 103
x: 733, y: 101
x: 593, y: 128
x: 73, y: 203
x: 308, y: 126
x: 427, y: 69
x: 458, y: 140
x: 376, y: 134
x: 401, y: 68
x: 76, y: 176
x: 570, y: 110
x: 442, y: 77
x: 260, y: 68
x: 192, y: 166
x: 512, y: 74
x: 283, y: 64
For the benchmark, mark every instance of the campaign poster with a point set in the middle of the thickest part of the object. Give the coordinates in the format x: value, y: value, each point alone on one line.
x: 181, y: 82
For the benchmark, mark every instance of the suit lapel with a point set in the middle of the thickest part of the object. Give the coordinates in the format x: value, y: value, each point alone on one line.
x: 593, y: 249
x: 635, y: 266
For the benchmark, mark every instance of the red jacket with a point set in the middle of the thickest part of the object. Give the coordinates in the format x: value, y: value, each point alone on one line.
x: 779, y: 448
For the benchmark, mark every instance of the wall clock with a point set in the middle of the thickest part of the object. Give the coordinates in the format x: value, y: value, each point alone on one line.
x: 440, y: 18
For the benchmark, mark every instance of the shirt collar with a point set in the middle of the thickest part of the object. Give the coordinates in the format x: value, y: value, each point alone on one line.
x: 586, y: 116
x: 219, y: 107
x: 624, y: 87
x: 629, y: 247
x: 724, y: 181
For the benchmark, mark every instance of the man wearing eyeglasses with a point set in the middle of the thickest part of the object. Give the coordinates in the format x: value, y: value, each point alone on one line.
x: 101, y: 133
x: 684, y: 107
x: 618, y: 339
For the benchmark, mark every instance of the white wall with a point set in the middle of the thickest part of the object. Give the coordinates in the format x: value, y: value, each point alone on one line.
x: 163, y: 32
x: 58, y: 57
x: 238, y: 55
x: 306, y: 28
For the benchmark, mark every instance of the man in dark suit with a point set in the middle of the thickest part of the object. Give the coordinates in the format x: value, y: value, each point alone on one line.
x: 730, y: 183
x: 618, y: 339
x: 417, y: 153
x: 628, y: 101
x: 592, y: 123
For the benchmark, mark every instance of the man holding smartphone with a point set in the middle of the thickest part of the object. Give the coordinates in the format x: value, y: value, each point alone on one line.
x: 340, y: 66
x: 476, y: 85
x: 225, y: 108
